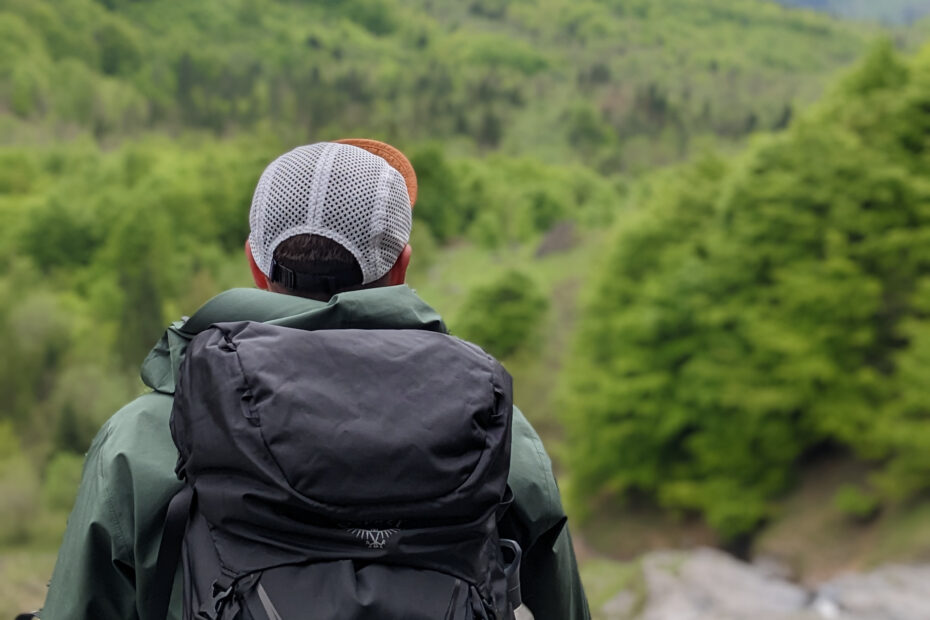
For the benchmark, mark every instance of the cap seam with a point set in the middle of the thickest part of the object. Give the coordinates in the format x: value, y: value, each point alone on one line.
x: 321, y: 179
x: 260, y: 198
x: 379, y: 216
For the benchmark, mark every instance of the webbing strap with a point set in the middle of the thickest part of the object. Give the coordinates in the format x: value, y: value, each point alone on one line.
x: 169, y: 551
x: 328, y: 281
x: 512, y: 571
x: 267, y: 604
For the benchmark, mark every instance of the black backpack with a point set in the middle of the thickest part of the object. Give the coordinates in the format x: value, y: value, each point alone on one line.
x: 340, y: 474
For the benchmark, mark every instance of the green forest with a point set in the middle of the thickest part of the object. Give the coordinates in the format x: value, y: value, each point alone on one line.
x: 696, y: 231
x: 764, y: 308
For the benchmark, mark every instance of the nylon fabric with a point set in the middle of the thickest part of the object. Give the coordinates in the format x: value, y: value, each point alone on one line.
x: 106, y: 563
x: 297, y: 458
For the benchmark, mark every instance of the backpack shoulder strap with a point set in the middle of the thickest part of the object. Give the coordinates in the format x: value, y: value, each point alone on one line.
x: 169, y: 551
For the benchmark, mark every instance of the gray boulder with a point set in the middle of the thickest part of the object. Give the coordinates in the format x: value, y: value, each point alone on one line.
x: 707, y: 584
x: 894, y: 592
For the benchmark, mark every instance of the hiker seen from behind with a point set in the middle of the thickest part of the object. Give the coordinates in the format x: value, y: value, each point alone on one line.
x: 319, y: 447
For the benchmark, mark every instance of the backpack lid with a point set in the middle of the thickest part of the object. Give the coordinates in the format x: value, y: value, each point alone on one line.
x: 342, y: 425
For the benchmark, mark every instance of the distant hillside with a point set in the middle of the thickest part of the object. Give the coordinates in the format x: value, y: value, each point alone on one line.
x: 889, y: 11
x: 783, y: 315
x: 618, y: 85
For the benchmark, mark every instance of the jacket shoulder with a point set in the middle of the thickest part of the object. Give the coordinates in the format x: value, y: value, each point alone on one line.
x: 134, y: 457
x: 536, y: 495
x: 110, y: 546
x: 138, y: 431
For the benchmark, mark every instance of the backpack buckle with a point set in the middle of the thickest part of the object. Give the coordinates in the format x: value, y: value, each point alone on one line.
x: 221, y: 595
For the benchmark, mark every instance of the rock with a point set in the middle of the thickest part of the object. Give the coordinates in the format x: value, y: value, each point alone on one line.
x: 889, y: 593
x: 826, y: 607
x: 774, y: 567
x: 709, y: 584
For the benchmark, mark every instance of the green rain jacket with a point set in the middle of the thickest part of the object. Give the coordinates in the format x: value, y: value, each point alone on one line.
x: 106, y: 563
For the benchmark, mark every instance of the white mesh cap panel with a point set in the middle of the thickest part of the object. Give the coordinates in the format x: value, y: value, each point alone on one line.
x: 337, y: 191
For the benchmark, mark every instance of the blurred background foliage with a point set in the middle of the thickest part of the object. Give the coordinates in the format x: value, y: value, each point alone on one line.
x: 618, y: 85
x: 766, y: 308
x: 697, y: 231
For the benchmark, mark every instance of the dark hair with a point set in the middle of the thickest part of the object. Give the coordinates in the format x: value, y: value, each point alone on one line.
x: 317, y: 254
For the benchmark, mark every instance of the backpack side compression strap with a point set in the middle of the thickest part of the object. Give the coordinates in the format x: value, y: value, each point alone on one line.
x: 169, y: 551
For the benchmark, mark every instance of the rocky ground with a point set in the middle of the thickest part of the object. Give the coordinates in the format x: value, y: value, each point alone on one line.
x: 710, y: 585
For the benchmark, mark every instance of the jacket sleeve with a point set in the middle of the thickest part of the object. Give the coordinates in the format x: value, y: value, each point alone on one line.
x: 552, y: 587
x: 549, y: 580
x: 94, y: 575
x: 106, y: 564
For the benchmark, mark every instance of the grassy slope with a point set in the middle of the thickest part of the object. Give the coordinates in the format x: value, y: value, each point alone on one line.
x: 817, y: 542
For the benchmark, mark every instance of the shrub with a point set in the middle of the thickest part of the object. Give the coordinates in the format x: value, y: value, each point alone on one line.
x: 60, y: 485
x: 856, y: 504
x: 504, y: 315
x: 19, y: 488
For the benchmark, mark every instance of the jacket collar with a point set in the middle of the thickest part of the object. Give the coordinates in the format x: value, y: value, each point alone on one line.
x: 394, y: 307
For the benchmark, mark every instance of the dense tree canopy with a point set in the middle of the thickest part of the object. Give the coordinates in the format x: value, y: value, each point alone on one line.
x: 619, y: 85
x: 504, y: 316
x: 132, y: 133
x: 756, y: 310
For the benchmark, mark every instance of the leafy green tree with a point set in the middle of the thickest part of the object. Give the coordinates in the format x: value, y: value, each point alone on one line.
x: 119, y: 52
x: 749, y: 316
x: 138, y: 254
x: 35, y: 335
x: 587, y: 131
x: 503, y: 316
x: 60, y: 481
x: 438, y: 197
x: 60, y: 234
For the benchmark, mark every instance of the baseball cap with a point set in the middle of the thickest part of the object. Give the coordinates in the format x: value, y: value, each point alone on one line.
x: 357, y: 192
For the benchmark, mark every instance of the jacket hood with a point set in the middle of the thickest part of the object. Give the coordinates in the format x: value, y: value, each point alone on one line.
x: 393, y: 307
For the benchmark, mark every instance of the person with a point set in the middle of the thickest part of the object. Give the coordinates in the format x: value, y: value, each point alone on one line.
x: 328, y: 248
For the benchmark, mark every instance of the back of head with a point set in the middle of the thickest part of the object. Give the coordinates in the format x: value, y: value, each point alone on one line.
x: 331, y: 217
